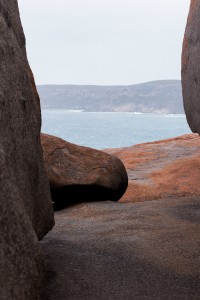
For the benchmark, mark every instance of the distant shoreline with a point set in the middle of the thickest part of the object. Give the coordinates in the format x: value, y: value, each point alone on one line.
x: 110, y: 112
x: 161, y: 97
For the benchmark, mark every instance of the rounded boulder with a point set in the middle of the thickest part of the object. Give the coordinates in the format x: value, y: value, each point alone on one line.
x: 81, y: 174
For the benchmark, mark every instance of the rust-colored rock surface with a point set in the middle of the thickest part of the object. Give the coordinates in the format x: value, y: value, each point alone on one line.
x: 26, y: 213
x: 191, y: 67
x: 79, y: 174
x: 162, y: 169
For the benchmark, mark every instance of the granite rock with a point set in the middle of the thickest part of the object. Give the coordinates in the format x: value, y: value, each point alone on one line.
x: 78, y: 174
x: 140, y: 251
x: 161, y: 169
x: 191, y: 67
x: 26, y: 213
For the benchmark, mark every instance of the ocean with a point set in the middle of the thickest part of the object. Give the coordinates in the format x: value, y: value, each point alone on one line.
x: 111, y: 129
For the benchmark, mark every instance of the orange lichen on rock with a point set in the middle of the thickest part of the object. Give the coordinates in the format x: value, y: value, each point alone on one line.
x: 162, y: 169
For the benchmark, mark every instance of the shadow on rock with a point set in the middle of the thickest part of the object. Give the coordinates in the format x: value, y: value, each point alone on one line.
x: 70, y: 195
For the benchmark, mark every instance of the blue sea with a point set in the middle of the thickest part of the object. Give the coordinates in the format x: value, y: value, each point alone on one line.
x: 111, y: 130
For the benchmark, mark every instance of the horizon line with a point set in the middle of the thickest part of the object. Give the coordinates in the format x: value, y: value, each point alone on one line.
x: 104, y: 85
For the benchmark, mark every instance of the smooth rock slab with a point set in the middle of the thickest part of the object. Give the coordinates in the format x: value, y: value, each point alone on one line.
x: 126, y: 251
x: 79, y: 174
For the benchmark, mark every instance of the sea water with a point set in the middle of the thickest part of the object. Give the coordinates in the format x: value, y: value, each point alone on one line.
x: 111, y: 130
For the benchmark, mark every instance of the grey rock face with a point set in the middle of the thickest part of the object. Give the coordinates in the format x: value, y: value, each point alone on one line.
x: 26, y: 213
x: 191, y: 67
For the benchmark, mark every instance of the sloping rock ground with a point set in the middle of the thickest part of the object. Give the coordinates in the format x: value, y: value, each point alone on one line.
x: 143, y: 250
x: 162, y: 169
x: 109, y: 250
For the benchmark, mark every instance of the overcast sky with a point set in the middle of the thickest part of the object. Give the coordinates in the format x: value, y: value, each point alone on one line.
x: 104, y: 41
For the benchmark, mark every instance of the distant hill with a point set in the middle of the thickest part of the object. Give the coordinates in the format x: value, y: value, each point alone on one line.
x: 163, y: 96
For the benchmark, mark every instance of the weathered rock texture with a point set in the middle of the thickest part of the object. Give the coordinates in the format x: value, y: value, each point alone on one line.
x: 140, y: 251
x: 162, y: 169
x: 26, y: 213
x: 78, y: 174
x: 191, y: 67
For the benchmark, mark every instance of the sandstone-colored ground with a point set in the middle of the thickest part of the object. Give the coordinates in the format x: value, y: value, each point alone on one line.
x: 162, y: 169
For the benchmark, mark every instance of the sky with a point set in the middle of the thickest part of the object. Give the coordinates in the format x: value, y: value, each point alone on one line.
x: 104, y: 42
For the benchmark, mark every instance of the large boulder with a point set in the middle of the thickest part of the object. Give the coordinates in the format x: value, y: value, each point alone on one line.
x: 78, y: 174
x: 191, y: 67
x: 26, y: 213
